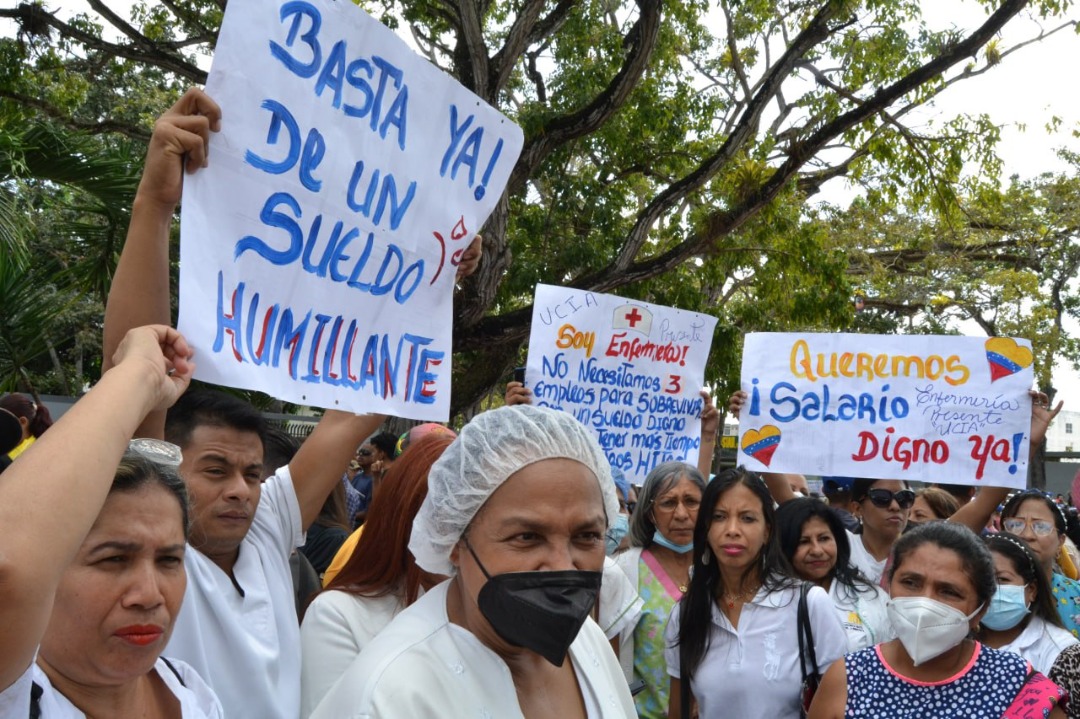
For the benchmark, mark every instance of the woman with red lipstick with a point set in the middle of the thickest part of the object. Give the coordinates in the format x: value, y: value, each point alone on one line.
x: 732, y: 641
x: 813, y: 539
x: 94, y: 596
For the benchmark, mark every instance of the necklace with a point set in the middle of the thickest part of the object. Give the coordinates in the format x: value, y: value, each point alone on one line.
x: 731, y: 599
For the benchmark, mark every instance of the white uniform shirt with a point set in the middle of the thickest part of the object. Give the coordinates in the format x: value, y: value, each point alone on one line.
x: 422, y: 665
x: 871, y: 568
x: 753, y: 671
x: 863, y: 615
x: 1040, y: 643
x: 337, y: 626
x: 620, y: 604
x: 197, y: 700
x: 247, y: 646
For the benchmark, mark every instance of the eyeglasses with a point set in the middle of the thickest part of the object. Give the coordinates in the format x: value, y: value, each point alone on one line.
x: 1039, y: 527
x: 884, y: 497
x: 364, y: 452
x: 157, y: 450
x: 670, y: 504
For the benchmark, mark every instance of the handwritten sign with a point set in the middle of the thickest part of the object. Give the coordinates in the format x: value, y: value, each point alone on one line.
x: 319, y: 248
x: 933, y: 409
x: 631, y: 371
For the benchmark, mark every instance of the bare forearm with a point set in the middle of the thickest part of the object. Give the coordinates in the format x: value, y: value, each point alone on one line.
x: 779, y: 486
x: 55, y: 491
x: 325, y: 455
x: 139, y: 294
x: 705, y: 455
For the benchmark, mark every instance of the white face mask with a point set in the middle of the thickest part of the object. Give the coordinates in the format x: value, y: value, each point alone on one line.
x: 928, y: 628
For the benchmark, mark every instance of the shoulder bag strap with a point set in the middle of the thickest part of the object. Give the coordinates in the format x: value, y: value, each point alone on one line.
x: 807, y: 654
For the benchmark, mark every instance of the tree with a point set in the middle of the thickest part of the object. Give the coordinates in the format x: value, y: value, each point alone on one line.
x: 64, y: 202
x: 662, y: 160
x: 1004, y: 260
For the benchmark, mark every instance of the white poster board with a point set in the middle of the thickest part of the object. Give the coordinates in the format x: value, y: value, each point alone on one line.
x: 631, y: 371
x: 917, y: 407
x: 319, y: 248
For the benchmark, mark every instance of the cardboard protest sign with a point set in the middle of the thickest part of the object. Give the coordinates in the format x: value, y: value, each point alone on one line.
x: 933, y: 409
x: 631, y: 371
x: 319, y: 248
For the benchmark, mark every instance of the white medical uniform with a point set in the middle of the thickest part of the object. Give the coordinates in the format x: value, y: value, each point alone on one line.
x: 422, y: 665
x: 863, y: 613
x: 337, y: 626
x: 1040, y: 643
x: 197, y: 700
x: 246, y: 641
x: 753, y: 671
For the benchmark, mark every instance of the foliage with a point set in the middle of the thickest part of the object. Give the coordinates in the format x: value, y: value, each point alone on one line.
x: 1004, y: 259
x: 670, y: 147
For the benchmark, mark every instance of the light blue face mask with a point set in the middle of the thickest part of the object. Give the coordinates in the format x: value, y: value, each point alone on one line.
x: 665, y: 542
x: 1007, y: 608
x: 619, y: 529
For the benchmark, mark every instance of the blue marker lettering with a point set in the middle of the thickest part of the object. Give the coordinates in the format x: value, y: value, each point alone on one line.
x: 281, y: 117
x: 299, y: 10
x: 272, y: 218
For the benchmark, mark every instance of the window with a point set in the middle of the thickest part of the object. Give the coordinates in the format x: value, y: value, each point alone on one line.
x: 1068, y: 428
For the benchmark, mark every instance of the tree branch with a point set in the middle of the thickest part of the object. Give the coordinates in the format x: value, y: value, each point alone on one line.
x: 95, y: 128
x: 502, y: 64
x: 551, y: 23
x: 472, y: 53
x: 815, y: 32
x: 155, y: 57
x: 560, y: 130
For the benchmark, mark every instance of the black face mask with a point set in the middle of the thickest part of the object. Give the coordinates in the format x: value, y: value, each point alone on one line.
x: 538, y: 611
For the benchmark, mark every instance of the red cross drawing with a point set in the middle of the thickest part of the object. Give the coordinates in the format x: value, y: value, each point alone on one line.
x: 633, y: 317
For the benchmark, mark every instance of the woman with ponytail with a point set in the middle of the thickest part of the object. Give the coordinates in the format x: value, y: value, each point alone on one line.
x: 33, y: 417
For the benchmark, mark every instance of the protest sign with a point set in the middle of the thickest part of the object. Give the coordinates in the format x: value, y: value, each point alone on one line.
x: 319, y: 248
x: 917, y: 407
x: 630, y: 371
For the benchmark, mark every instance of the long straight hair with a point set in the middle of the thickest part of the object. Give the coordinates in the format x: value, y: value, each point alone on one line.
x: 695, y: 607
x: 381, y: 563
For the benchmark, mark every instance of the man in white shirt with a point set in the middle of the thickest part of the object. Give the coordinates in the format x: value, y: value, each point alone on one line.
x: 237, y: 624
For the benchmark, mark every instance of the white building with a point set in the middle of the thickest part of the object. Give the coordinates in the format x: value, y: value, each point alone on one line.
x: 1063, y: 434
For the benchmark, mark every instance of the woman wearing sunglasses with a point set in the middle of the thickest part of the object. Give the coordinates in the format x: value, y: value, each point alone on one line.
x: 1040, y: 522
x: 882, y: 506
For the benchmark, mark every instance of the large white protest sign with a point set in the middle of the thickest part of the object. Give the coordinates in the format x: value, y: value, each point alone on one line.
x: 934, y: 409
x: 631, y: 371
x: 319, y: 248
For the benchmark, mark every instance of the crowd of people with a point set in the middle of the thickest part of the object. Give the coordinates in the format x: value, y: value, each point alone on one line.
x: 166, y: 554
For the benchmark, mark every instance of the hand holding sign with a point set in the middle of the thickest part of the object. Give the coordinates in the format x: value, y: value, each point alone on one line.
x: 470, y: 258
x: 320, y: 249
x: 180, y: 142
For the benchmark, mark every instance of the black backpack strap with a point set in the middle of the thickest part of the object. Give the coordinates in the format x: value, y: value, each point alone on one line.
x: 172, y: 668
